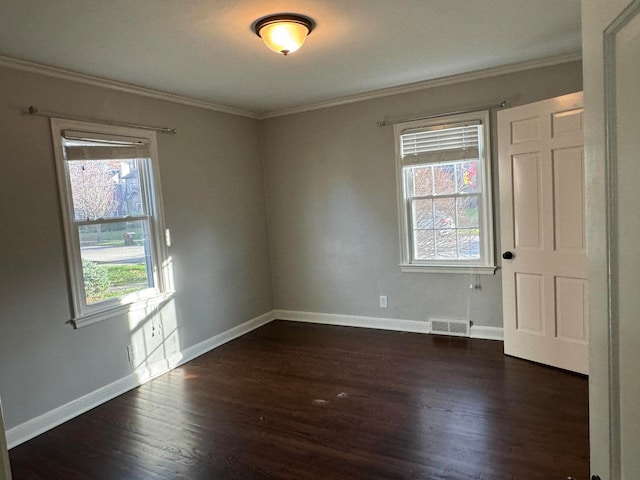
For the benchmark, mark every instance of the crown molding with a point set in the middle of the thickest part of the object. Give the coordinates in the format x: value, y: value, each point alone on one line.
x: 56, y: 72
x: 426, y: 84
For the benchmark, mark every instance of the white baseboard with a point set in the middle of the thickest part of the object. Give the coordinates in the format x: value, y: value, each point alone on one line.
x: 354, y: 321
x: 40, y: 424
x: 487, y: 333
x: 415, y: 326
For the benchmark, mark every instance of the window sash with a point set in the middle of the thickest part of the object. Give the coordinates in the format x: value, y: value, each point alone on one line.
x: 108, y: 220
x: 146, y: 195
x: 412, y: 229
x: 144, y: 184
x: 149, y: 261
x: 409, y: 181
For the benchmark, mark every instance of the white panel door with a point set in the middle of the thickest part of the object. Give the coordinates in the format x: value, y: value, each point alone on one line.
x: 542, y: 216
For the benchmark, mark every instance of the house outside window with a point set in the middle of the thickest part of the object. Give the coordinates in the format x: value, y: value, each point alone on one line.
x: 112, y: 211
x: 443, y: 171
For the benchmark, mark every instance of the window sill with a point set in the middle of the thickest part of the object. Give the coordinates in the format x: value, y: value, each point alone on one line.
x: 459, y: 269
x: 146, y: 303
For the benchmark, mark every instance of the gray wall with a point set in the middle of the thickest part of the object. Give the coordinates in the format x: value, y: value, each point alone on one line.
x: 333, y: 218
x: 213, y: 191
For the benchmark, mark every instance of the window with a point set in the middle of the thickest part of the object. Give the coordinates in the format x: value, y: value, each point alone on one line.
x: 112, y: 212
x: 444, y: 194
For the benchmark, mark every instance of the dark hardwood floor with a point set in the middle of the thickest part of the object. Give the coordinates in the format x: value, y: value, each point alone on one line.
x: 301, y: 401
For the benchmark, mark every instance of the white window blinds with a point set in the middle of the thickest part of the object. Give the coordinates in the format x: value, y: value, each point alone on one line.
x: 81, y: 146
x: 444, y: 143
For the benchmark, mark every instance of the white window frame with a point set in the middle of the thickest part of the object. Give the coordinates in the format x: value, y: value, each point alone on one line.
x: 85, y: 314
x: 486, y: 263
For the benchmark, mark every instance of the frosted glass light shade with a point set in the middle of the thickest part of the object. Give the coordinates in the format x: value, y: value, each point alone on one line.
x: 283, y: 33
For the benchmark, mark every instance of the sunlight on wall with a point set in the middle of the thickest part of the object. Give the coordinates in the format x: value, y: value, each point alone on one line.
x: 154, y: 332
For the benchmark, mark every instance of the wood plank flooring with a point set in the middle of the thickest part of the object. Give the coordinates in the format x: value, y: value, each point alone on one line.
x: 301, y: 401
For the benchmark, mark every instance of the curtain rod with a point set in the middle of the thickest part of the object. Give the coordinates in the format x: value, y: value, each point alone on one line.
x: 43, y: 113
x: 384, y: 123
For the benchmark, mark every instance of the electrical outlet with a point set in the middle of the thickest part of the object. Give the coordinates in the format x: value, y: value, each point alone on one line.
x: 156, y: 329
x: 383, y: 301
x: 132, y: 353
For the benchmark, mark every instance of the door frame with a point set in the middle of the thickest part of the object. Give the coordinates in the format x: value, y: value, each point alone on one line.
x: 612, y: 230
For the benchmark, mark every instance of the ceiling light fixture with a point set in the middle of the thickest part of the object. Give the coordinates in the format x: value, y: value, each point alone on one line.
x: 283, y: 33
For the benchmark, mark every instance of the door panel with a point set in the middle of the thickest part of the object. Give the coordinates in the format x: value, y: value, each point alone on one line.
x: 568, y: 183
x: 571, y: 313
x: 543, y: 225
x: 525, y: 130
x: 530, y: 303
x: 565, y: 123
x: 527, y: 200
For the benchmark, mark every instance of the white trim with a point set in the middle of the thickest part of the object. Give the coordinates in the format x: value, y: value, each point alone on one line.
x: 56, y: 72
x: 354, y: 321
x: 613, y: 233
x: 41, y: 69
x: 426, y: 84
x: 48, y: 420
x: 486, y: 333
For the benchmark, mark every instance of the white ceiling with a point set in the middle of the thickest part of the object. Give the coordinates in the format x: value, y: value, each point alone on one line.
x: 205, y: 49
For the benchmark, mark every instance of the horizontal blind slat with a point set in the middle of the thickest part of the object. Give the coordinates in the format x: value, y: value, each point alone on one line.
x: 102, y: 138
x: 442, y: 156
x: 104, y: 152
x: 455, y: 138
x: 451, y: 133
x: 442, y: 144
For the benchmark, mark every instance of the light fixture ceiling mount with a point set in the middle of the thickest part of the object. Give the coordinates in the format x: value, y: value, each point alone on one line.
x: 283, y: 33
